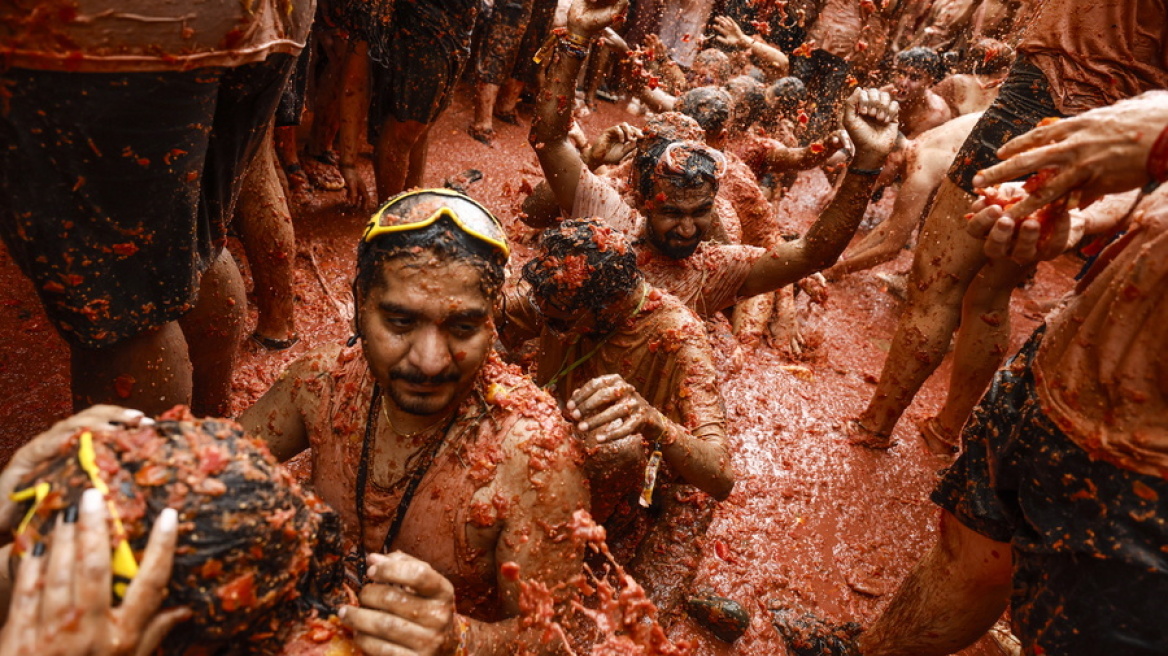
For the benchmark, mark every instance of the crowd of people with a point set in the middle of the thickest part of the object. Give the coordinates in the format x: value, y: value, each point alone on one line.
x: 522, y: 454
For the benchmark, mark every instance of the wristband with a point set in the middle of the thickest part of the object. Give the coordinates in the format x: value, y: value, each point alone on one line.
x: 1157, y: 165
x: 461, y: 627
x: 870, y: 172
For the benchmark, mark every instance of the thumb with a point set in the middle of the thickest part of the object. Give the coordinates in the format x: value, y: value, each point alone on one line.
x: 159, y: 628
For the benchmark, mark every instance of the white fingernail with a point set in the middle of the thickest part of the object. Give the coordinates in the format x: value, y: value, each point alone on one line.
x: 91, y: 501
x: 168, y: 520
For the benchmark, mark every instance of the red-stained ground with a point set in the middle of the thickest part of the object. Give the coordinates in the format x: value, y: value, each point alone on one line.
x: 813, y: 522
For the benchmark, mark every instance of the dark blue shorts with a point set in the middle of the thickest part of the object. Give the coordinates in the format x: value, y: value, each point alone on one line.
x: 1090, y: 540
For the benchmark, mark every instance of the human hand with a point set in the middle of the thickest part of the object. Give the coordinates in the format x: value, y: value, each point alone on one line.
x: 356, y: 190
x: 730, y: 34
x: 607, y: 408
x: 1100, y: 152
x: 45, y: 446
x: 406, y: 609
x: 588, y: 17
x: 1027, y: 240
x: 653, y: 43
x: 613, y: 41
x: 870, y: 117
x: 815, y: 286
x: 612, y: 145
x: 61, y: 602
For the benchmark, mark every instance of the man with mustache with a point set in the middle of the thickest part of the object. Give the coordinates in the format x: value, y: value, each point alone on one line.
x: 426, y: 443
x: 675, y: 184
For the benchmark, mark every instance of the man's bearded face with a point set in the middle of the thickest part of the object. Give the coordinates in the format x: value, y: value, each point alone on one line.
x: 678, y: 218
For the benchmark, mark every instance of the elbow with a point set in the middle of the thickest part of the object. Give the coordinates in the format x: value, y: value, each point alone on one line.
x: 722, y: 484
x: 722, y: 487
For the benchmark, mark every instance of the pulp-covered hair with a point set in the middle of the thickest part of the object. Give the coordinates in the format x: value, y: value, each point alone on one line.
x: 255, y: 555
x: 443, y: 238
x: 990, y: 56
x: 673, y: 126
x: 749, y: 99
x: 925, y: 59
x: 697, y: 169
x: 716, y: 60
x: 788, y: 92
x: 582, y: 264
x: 709, y: 106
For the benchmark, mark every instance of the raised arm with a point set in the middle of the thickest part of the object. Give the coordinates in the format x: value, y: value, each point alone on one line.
x: 730, y: 34
x: 560, y: 160
x: 870, y: 119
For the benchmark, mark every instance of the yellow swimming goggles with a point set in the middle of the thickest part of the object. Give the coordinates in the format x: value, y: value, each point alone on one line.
x: 415, y: 210
x: 123, y: 564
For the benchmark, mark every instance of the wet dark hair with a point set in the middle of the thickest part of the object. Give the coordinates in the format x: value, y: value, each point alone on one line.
x: 750, y: 105
x: 699, y: 168
x: 583, y: 264
x: 673, y: 126
x: 788, y: 92
x: 925, y: 59
x: 444, y: 239
x: 256, y: 555
x: 709, y: 106
x: 991, y: 56
x: 716, y: 60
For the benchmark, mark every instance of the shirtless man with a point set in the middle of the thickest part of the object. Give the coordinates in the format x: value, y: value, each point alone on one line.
x: 917, y: 70
x: 633, y: 367
x: 1055, y: 506
x: 1054, y: 75
x: 675, y: 185
x: 424, y: 441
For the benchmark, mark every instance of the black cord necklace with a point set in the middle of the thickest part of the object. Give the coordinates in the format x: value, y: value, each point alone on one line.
x: 424, y: 460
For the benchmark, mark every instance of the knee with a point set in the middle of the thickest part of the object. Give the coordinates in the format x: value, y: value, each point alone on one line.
x: 986, y: 564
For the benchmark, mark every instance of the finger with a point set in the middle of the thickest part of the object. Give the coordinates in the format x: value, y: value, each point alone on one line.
x: 1054, y: 189
x: 62, y: 573
x: 388, y: 628
x: 27, y: 592
x: 622, y: 410
x: 615, y: 432
x: 148, y: 589
x: 94, y: 585
x: 1026, y: 244
x: 984, y: 220
x: 587, y: 389
x: 398, y: 568
x: 1000, y: 236
x: 371, y: 646
x: 431, y: 613
x: 603, y: 397
x: 1042, y: 136
x: 1021, y: 165
x: 894, y: 111
x: 159, y: 628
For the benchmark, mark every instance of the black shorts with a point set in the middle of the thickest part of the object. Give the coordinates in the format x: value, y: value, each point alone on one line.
x: 501, y: 40
x: 295, y: 93
x: 1023, y: 100
x: 417, y: 63
x: 1088, y: 538
x: 116, y: 188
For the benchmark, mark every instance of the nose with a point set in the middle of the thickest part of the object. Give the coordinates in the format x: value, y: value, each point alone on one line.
x: 687, y: 228
x: 430, y: 353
